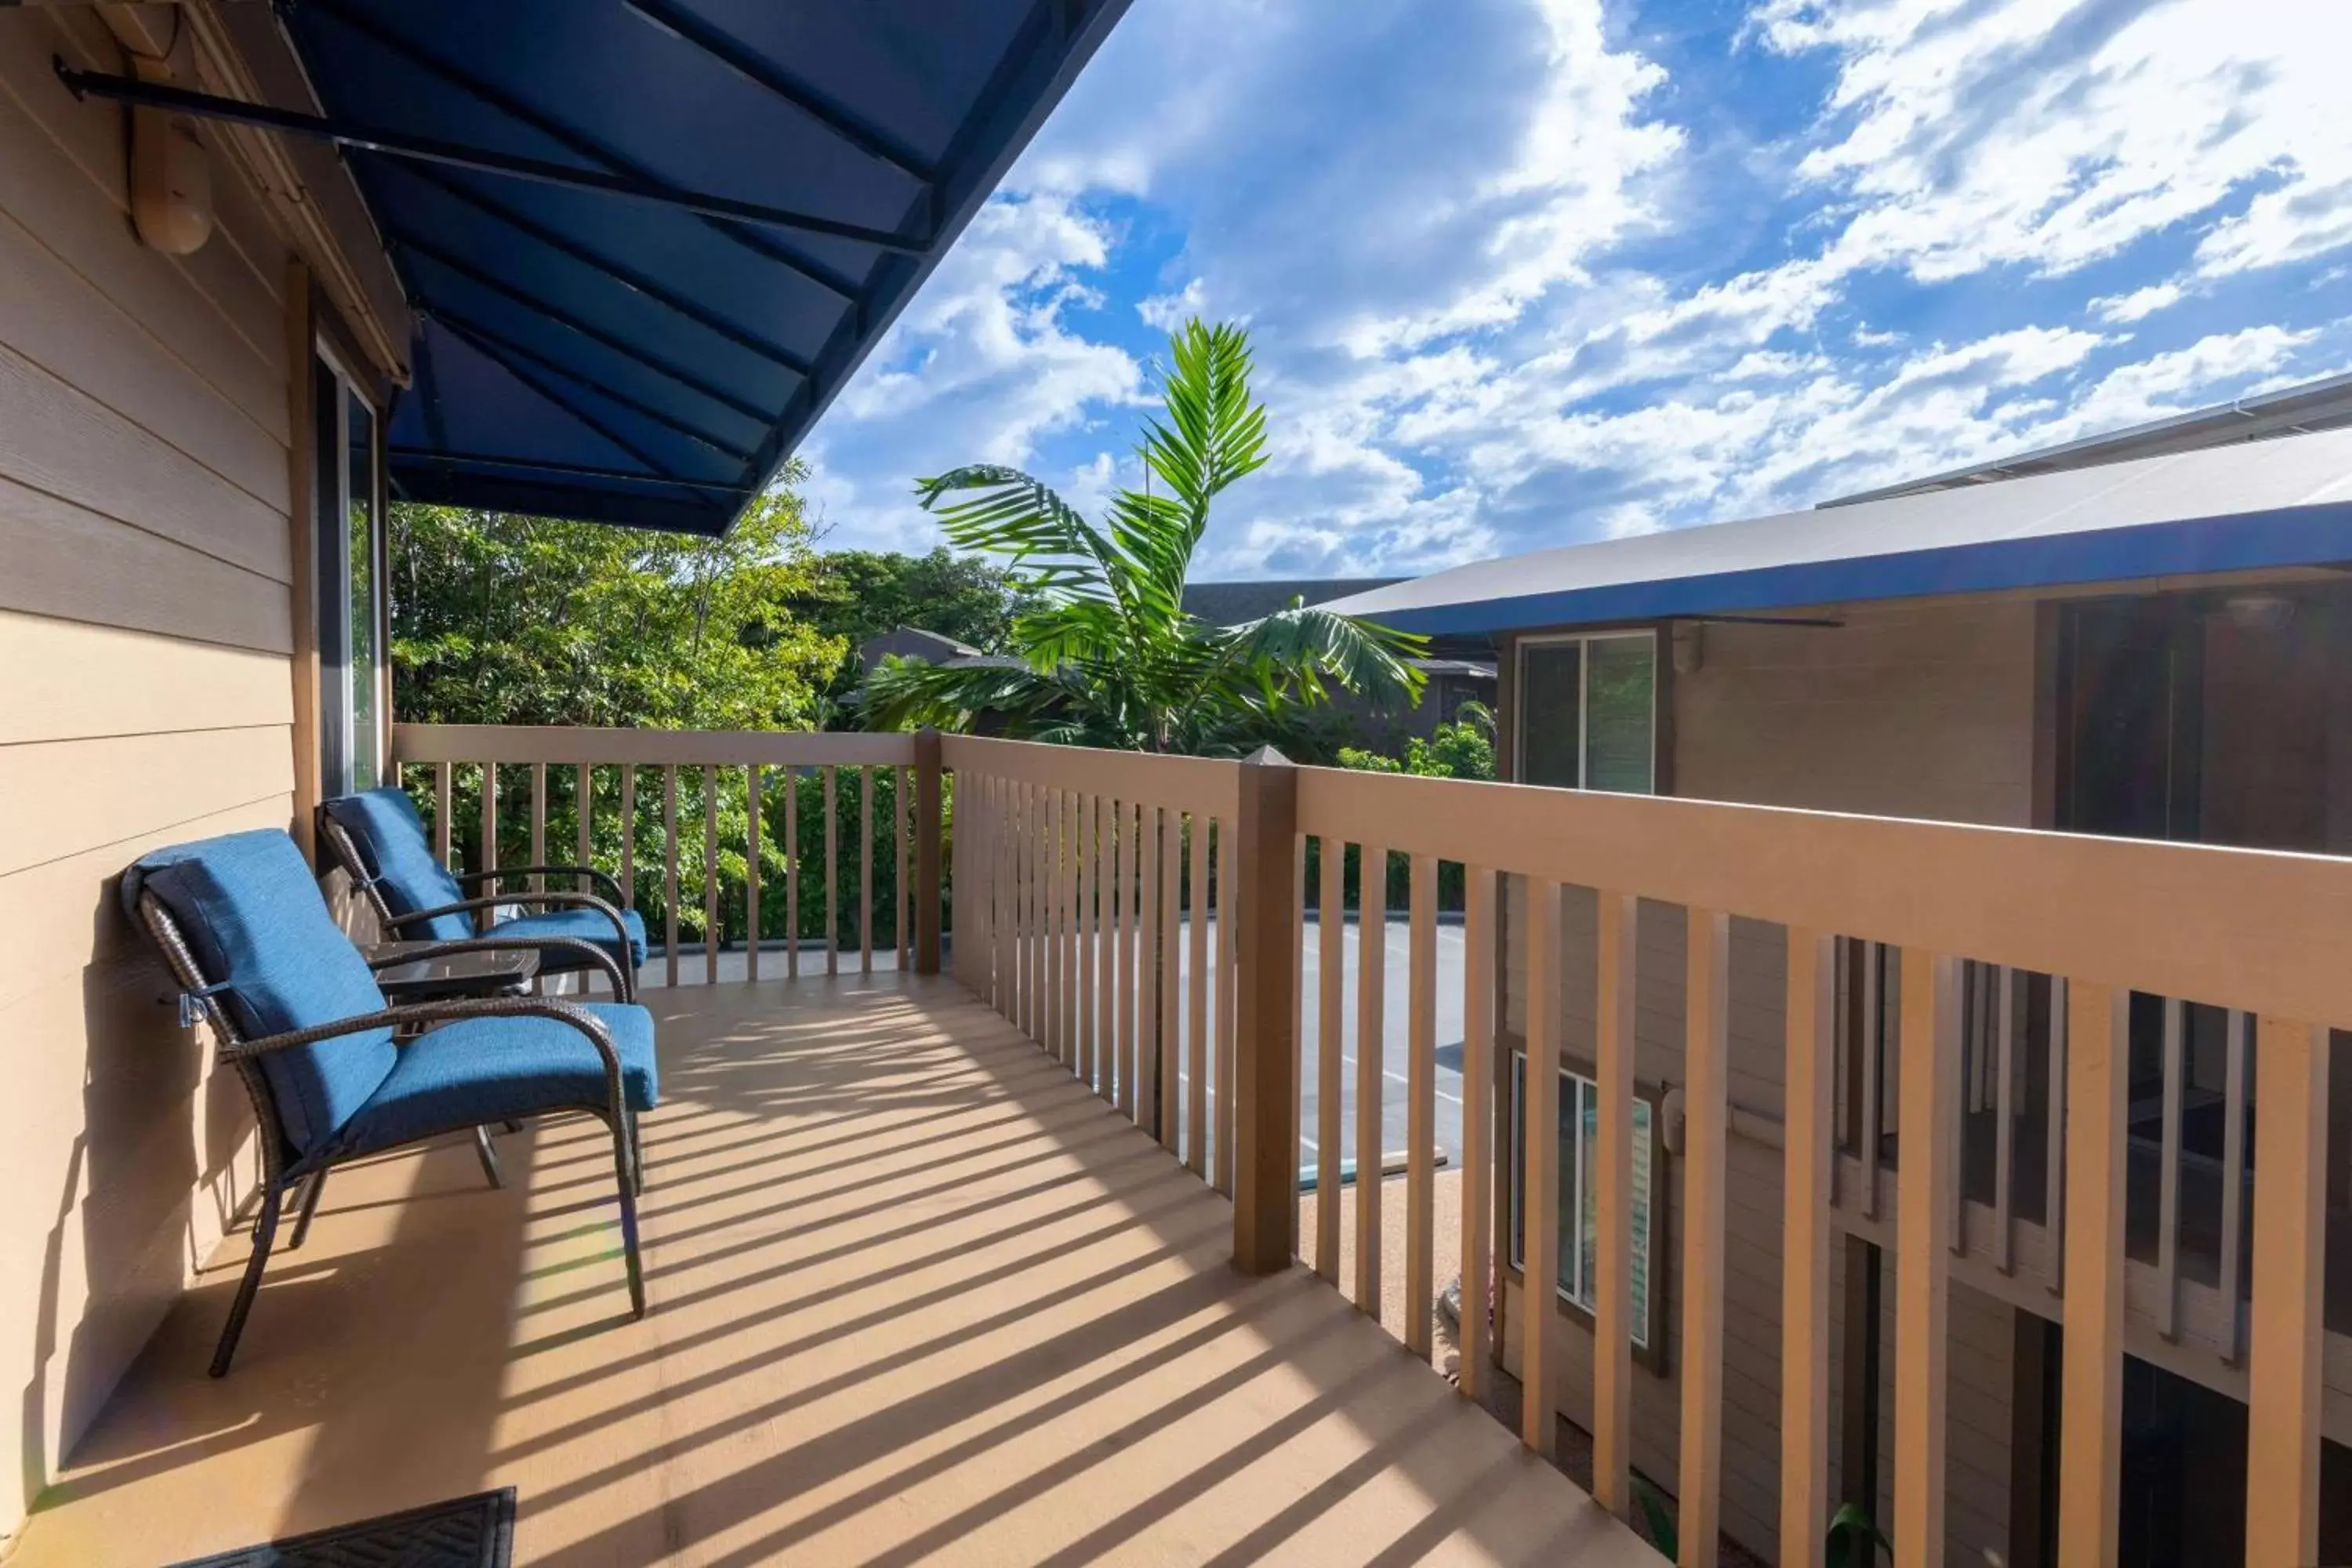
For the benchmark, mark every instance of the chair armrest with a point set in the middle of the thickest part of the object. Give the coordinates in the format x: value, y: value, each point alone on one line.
x: 604, y: 880
x: 562, y: 1012
x: 579, y: 946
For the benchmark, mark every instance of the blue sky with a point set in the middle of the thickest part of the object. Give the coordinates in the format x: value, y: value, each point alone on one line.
x: 1525, y: 272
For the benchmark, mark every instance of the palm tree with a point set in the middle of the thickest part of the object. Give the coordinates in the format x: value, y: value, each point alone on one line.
x: 1107, y: 656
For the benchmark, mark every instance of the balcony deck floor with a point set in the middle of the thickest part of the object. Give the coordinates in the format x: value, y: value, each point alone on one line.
x: 917, y: 1296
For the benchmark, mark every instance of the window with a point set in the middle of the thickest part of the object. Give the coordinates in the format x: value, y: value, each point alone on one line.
x: 348, y: 563
x: 1579, y: 1224
x: 1588, y: 713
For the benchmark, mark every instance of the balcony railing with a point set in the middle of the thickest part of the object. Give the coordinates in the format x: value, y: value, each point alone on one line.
x: 1141, y: 918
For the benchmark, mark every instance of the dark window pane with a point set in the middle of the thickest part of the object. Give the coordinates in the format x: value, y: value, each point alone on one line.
x: 1550, y: 722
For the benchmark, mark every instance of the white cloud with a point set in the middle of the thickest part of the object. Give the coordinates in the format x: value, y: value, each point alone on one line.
x: 2138, y: 305
x: 1513, y: 280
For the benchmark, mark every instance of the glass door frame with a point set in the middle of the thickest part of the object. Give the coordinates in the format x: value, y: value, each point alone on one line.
x: 347, y: 759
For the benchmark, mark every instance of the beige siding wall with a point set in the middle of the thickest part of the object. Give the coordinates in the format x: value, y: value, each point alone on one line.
x: 1909, y: 711
x: 146, y: 627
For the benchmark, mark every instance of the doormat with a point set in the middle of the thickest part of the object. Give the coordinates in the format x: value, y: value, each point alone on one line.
x: 474, y: 1531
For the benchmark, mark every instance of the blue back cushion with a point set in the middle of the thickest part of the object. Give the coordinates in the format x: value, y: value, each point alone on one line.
x: 252, y: 915
x: 391, y: 837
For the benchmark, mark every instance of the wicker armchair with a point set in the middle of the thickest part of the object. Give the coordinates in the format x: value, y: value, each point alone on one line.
x: 379, y: 840
x: 297, y: 1014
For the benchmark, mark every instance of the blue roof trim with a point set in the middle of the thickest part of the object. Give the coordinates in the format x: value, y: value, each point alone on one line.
x: 599, y: 356
x: 2296, y: 536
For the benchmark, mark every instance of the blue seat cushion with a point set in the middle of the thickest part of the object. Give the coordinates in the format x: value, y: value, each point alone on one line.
x: 390, y: 838
x: 481, y: 1070
x: 575, y: 920
x: 250, y: 911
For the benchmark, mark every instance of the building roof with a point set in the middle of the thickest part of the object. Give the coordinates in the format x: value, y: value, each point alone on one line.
x: 2290, y: 411
x: 913, y: 642
x: 732, y: 202
x: 1231, y: 604
x: 2269, y: 504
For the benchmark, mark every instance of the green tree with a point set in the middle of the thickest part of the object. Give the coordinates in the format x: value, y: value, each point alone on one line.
x: 499, y: 619
x: 860, y: 594
x: 1108, y: 656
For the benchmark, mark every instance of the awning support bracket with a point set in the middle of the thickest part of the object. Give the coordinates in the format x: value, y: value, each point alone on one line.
x: 432, y: 150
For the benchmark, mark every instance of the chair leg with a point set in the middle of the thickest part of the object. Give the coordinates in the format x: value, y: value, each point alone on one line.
x: 264, y: 1231
x: 512, y: 1125
x: 487, y: 1156
x: 624, y: 1169
x: 310, y: 1191
x: 637, y: 1152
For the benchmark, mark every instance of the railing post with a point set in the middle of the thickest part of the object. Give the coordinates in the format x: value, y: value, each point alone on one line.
x: 1265, y: 1171
x: 927, y: 851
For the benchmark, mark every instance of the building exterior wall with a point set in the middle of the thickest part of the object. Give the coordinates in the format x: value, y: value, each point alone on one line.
x: 147, y: 625
x: 1923, y: 710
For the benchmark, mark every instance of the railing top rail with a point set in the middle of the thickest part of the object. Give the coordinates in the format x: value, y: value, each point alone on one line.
x: 1203, y: 784
x: 2260, y: 930
x: 427, y: 743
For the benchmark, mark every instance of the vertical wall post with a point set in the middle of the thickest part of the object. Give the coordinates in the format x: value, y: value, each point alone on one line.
x: 1264, y: 890
x: 927, y: 851
x: 2282, y: 1373
x: 2091, y: 1407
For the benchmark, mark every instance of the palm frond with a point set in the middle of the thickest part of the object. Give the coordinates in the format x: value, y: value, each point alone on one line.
x: 1012, y: 514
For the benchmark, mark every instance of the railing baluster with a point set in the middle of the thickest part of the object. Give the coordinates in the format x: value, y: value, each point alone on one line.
x: 831, y: 872
x: 1082, y: 957
x: 751, y: 872
x: 1372, y: 1030
x: 1807, y: 1236
x: 1613, y: 1328
x: 1056, y: 1041
x: 1150, y: 1107
x: 1928, y: 1091
x: 1033, y: 912
x: 792, y: 873
x: 2233, y: 1185
x: 1106, y: 946
x: 902, y: 897
x: 1171, y: 1042
x: 2004, y: 1140
x: 2167, y: 1177
x: 628, y: 836
x: 1539, y: 1169
x: 489, y: 864
x: 537, y: 823
x: 2090, y: 1448
x: 865, y: 870
x: 441, y: 812
x: 1705, y: 1136
x: 1071, y: 1013
x: 669, y: 875
x: 1125, y: 867
x: 1222, y: 917
x: 709, y: 875
x: 1420, y: 1107
x: 1001, y: 864
x: 583, y: 808
x: 1196, y: 1048
x: 1331, y: 930
x: 2283, y: 1383
x: 1477, y: 1123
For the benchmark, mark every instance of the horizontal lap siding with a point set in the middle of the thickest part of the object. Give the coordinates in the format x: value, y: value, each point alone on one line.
x: 146, y: 621
x: 1921, y: 712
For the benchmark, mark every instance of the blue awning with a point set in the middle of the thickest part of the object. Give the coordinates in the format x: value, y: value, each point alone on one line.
x: 591, y: 353
x: 2286, y: 502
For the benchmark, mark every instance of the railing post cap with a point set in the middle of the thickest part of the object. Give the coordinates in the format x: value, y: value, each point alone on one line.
x: 1266, y: 757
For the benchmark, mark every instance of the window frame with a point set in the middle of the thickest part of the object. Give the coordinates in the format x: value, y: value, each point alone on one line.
x: 1583, y: 641
x: 1651, y: 1336
x: 339, y: 744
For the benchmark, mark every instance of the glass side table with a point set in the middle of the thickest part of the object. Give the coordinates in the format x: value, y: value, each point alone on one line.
x: 506, y: 972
